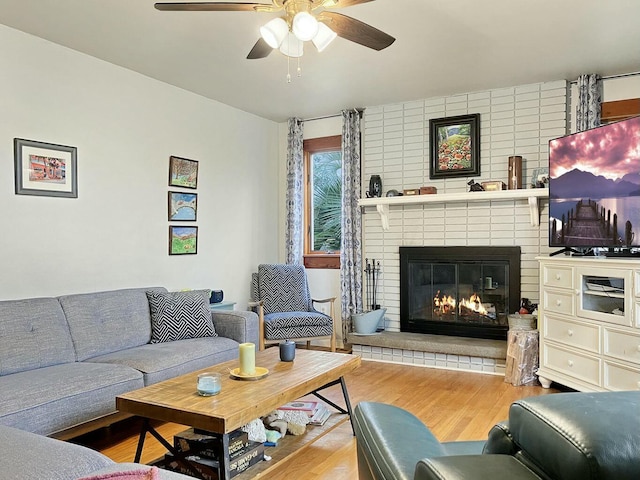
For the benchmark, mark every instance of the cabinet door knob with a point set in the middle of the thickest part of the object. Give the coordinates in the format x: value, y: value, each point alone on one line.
x: 570, y: 362
x: 570, y: 332
x: 558, y: 302
x: 558, y: 276
x: 639, y: 348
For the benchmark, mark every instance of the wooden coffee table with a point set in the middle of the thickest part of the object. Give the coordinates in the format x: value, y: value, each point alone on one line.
x: 242, y: 401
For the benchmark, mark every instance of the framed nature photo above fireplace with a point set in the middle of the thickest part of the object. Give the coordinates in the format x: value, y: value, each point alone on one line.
x: 455, y: 146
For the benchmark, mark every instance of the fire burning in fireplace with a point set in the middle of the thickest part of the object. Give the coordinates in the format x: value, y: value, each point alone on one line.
x: 446, y: 304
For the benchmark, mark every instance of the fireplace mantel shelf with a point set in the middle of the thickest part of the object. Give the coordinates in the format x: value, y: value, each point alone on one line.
x: 532, y: 195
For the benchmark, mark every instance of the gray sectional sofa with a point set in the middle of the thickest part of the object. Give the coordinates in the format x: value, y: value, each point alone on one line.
x: 64, y: 360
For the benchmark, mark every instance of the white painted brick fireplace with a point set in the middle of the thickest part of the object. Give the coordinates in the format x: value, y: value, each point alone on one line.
x: 513, y: 121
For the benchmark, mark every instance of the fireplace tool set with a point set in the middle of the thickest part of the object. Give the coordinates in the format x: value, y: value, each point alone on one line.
x: 372, y: 272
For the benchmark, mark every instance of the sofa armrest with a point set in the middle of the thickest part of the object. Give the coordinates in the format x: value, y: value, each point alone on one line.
x: 500, y: 440
x: 390, y: 441
x: 239, y: 325
x: 571, y: 436
x: 470, y: 467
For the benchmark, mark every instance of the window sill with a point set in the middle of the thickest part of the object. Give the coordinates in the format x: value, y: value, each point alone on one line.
x: 330, y: 261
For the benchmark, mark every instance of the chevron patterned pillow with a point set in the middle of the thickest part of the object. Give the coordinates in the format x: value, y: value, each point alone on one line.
x: 180, y: 315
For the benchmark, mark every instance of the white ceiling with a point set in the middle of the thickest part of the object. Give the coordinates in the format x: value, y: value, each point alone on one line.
x: 441, y: 48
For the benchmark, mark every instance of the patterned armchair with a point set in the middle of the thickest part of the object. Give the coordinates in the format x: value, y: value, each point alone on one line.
x: 285, y: 308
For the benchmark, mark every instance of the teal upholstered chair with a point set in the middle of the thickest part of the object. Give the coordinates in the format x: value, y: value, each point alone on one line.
x: 285, y: 307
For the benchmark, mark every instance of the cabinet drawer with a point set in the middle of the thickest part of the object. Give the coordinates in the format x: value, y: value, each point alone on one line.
x: 620, y: 377
x: 622, y: 345
x: 570, y: 333
x: 558, y: 302
x: 561, y: 277
x: 573, y: 364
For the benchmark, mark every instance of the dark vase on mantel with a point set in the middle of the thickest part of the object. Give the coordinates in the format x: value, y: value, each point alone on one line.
x: 375, y: 187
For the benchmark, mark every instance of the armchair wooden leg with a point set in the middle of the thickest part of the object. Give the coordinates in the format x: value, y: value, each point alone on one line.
x: 261, y: 327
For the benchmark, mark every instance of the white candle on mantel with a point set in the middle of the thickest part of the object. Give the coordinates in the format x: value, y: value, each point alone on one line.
x: 247, y: 359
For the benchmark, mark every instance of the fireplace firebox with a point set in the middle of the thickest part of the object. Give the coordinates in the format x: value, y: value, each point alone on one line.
x: 459, y: 291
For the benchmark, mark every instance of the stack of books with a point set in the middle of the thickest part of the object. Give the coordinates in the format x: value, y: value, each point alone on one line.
x: 317, y: 412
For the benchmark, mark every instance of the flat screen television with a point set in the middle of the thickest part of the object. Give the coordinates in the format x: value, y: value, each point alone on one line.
x: 594, y: 188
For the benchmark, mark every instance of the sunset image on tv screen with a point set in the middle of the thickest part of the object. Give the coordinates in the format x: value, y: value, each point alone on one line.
x: 594, y: 187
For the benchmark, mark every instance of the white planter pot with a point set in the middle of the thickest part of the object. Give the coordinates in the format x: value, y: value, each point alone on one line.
x: 367, y: 322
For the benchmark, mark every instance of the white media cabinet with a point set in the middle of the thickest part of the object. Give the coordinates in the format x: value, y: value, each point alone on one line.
x: 589, y: 322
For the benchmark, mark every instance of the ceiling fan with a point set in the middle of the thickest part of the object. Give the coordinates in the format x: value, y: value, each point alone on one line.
x: 303, y: 20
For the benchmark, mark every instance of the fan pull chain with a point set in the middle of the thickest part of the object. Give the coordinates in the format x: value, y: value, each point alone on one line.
x: 288, y: 70
x: 299, y: 69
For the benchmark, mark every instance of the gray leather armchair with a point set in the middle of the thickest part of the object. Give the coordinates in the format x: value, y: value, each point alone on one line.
x: 563, y: 436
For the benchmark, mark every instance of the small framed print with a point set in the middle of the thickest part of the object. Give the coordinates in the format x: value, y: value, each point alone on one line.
x: 183, y: 240
x: 183, y: 172
x: 45, y: 169
x: 455, y: 146
x: 183, y: 206
x: 540, y: 178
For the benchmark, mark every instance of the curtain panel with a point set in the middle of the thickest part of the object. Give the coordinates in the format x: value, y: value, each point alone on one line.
x: 295, y: 193
x: 351, y: 246
x: 589, y: 100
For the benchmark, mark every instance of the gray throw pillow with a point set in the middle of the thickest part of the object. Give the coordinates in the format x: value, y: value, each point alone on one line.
x: 180, y: 315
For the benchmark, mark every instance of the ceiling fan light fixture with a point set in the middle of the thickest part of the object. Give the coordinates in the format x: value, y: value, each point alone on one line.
x: 324, y: 37
x: 305, y: 26
x: 292, y: 46
x: 274, y: 32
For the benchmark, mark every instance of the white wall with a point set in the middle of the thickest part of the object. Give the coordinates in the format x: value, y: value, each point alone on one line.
x: 125, y: 126
x: 513, y: 121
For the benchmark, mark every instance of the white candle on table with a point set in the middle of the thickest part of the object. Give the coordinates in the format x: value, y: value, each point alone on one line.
x: 247, y: 359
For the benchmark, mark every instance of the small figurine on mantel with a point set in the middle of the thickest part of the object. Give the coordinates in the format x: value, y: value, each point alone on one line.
x: 474, y: 186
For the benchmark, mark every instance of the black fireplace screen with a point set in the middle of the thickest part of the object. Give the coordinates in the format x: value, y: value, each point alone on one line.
x: 459, y: 291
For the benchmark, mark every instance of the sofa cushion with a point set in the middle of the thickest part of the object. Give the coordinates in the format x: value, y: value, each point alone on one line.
x: 280, y: 326
x: 161, y: 361
x: 180, y: 315
x: 50, y: 399
x: 104, y: 322
x: 33, y: 334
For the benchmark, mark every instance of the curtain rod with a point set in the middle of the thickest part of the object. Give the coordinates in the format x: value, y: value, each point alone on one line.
x: 359, y: 110
x: 609, y: 77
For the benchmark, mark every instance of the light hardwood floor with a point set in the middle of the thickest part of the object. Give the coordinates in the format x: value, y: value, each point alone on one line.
x: 455, y: 405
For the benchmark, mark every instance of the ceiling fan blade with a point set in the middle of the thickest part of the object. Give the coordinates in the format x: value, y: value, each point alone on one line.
x: 356, y: 31
x: 211, y: 6
x: 260, y: 50
x: 344, y: 3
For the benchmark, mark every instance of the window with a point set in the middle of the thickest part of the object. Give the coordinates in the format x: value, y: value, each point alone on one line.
x: 323, y: 201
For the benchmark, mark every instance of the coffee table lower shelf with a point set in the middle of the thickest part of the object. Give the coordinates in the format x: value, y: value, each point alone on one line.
x: 290, y: 446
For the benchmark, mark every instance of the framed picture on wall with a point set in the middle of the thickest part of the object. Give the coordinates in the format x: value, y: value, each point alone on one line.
x: 454, y: 146
x: 183, y: 206
x: 183, y: 240
x: 183, y: 172
x: 45, y: 169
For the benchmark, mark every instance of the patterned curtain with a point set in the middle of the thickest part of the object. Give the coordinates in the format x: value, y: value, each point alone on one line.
x: 351, y: 247
x: 589, y: 99
x: 295, y: 192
